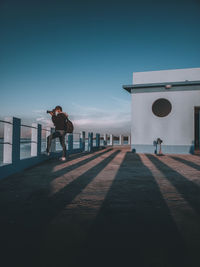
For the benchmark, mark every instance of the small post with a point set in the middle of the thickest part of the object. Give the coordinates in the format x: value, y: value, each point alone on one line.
x: 97, y: 140
x: 70, y: 143
x: 111, y: 139
x: 129, y: 140
x: 11, y: 148
x: 121, y: 140
x: 90, y: 141
x: 36, y: 135
x: 105, y: 139
x: 82, y: 141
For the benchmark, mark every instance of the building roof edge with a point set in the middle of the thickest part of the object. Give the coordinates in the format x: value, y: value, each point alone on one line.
x: 165, y: 84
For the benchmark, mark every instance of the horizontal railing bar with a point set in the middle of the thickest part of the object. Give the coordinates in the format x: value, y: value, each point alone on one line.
x: 5, y: 143
x: 28, y: 126
x: 6, y: 121
x: 46, y: 130
x: 27, y: 142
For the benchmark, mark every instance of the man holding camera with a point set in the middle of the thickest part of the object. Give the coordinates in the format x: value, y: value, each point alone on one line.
x: 59, y: 120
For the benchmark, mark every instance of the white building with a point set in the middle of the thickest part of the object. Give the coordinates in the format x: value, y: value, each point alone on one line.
x: 165, y: 105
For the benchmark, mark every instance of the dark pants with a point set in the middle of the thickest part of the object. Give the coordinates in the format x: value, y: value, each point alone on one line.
x: 61, y: 135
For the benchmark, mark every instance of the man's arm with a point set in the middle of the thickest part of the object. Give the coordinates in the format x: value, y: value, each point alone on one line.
x: 54, y: 118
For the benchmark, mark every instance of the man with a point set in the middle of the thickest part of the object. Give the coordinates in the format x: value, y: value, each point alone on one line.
x: 59, y: 119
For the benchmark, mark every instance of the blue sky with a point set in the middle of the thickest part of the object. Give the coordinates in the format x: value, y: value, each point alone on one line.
x: 78, y: 54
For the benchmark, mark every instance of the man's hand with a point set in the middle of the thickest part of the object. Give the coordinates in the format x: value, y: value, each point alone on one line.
x: 51, y: 113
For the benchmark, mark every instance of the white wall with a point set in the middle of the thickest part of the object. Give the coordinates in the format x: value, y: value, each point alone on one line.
x: 178, y: 75
x: 175, y: 129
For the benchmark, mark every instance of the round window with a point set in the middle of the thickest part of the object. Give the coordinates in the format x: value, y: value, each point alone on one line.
x: 161, y: 107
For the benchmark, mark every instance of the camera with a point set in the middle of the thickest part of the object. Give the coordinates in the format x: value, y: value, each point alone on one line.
x: 53, y: 111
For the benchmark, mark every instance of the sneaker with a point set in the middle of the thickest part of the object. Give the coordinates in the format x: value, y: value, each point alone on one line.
x: 63, y: 159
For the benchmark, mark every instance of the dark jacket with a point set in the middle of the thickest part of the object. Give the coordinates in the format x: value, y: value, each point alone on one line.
x: 59, y: 121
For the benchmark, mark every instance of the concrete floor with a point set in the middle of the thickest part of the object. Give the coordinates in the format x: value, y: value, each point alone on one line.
x: 108, y: 208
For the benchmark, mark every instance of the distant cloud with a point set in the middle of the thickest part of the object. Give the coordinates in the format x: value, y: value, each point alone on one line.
x: 42, y: 117
x: 115, y: 120
x: 44, y: 121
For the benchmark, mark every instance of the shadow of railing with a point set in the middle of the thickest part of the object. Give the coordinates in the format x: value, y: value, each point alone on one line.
x: 187, y: 162
x: 188, y: 189
x: 134, y: 226
x: 25, y: 220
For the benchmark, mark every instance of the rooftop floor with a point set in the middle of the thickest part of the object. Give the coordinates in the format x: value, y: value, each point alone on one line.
x: 108, y: 208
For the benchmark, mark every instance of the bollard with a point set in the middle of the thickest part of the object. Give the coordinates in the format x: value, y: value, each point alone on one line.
x: 159, y: 142
x: 11, y: 148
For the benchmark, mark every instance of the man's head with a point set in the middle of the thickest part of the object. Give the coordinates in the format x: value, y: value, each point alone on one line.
x: 58, y: 109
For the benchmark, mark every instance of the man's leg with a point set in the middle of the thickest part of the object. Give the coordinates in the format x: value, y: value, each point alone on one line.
x: 62, y: 142
x: 49, y: 139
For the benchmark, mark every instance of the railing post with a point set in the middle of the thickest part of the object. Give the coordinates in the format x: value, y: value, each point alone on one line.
x: 105, y: 139
x: 16, y: 140
x: 111, y: 139
x: 129, y: 140
x: 97, y: 140
x: 121, y: 140
x: 7, y: 146
x: 70, y: 143
x: 39, y: 136
x: 48, y: 132
x: 34, y: 140
x: 11, y: 148
x: 90, y: 141
x: 199, y: 129
x: 82, y: 141
x: 36, y: 135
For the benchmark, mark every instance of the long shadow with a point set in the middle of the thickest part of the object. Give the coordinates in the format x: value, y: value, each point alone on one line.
x: 134, y: 226
x: 187, y: 162
x: 189, y: 190
x: 23, y: 237
x: 79, y: 164
x: 16, y: 182
x: 49, y: 207
x: 50, y: 164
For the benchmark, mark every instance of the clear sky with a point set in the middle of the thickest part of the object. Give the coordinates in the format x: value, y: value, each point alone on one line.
x: 78, y: 54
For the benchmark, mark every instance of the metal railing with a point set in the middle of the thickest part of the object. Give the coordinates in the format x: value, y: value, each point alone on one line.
x: 12, y: 144
x: 6, y: 121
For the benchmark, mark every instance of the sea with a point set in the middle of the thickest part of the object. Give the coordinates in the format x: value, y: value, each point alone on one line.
x: 25, y: 147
